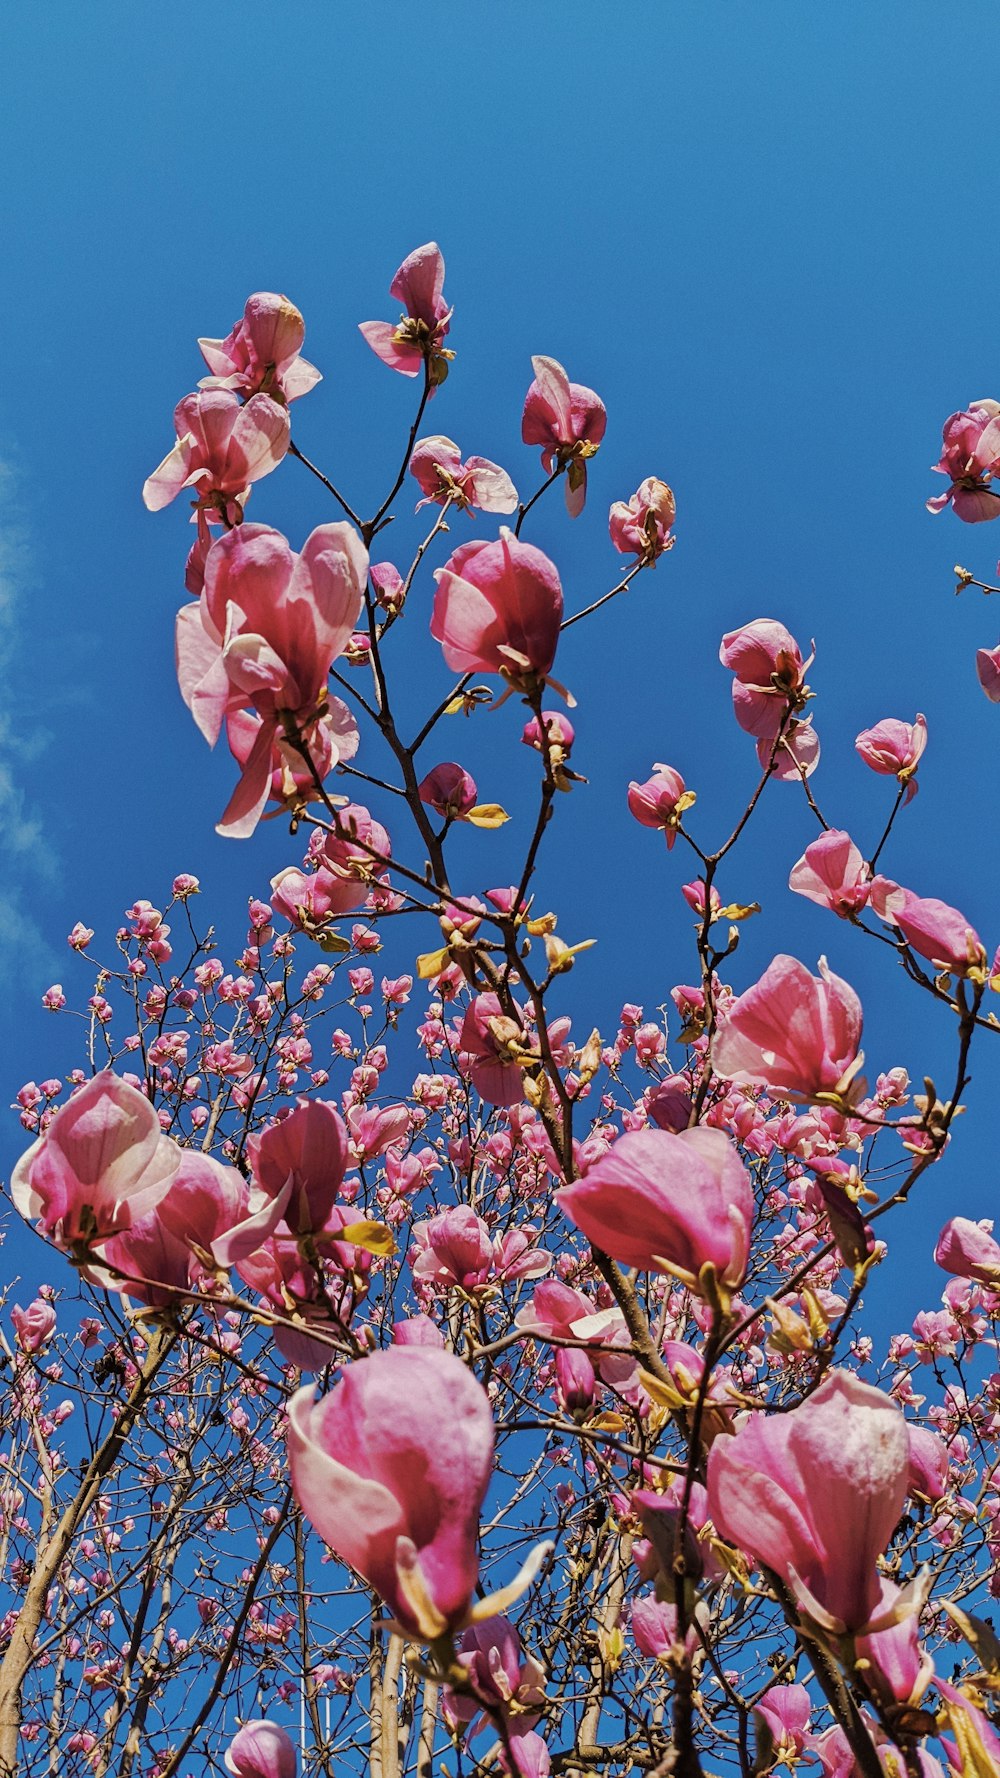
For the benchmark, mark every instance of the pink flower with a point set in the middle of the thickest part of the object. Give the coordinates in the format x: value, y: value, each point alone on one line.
x: 261, y: 353
x: 895, y: 749
x: 511, y: 1682
x: 155, y: 1257
x: 899, y: 1670
x: 497, y: 609
x: 222, y: 446
x: 34, y: 1325
x: 264, y: 633
x: 931, y: 928
x: 815, y: 1494
x: 418, y: 336
x: 929, y: 1465
x: 971, y: 450
x: 261, y: 1750
x: 332, y: 738
x: 436, y: 465
x: 558, y: 730
x: 967, y: 1250
x: 677, y: 1204
x: 833, y: 873
x: 568, y: 420
x: 978, y: 1744
x: 770, y: 675
x: 492, y: 1041
x: 786, y: 1710
x: 455, y: 1247
x: 450, y: 791
x: 642, y: 526
x: 102, y: 1162
x: 988, y: 671
x: 391, y: 1468
x: 308, y: 1151
x: 793, y: 1032
x: 654, y: 1628
x: 797, y: 753
x: 661, y: 801
x: 311, y: 900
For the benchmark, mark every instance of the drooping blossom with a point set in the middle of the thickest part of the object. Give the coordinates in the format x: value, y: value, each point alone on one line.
x: 35, y: 1325
x: 793, y: 1032
x: 308, y: 1148
x: 391, y: 1468
x: 971, y: 448
x: 815, y: 1495
x: 642, y: 526
x: 770, y: 675
x: 102, y: 1162
x: 316, y: 1300
x: 418, y: 336
x: 171, y: 1247
x: 261, y: 1749
x: 264, y: 634
x: 792, y: 756
x: 261, y: 353
x: 833, y: 873
x: 899, y: 1668
x: 437, y: 467
x: 931, y: 928
x: 506, y: 1679
x: 967, y: 1250
x: 497, y: 609
x: 222, y: 447
x: 668, y: 1203
x: 976, y: 1748
x: 895, y: 749
x: 493, y: 1041
x: 661, y: 801
x: 569, y: 421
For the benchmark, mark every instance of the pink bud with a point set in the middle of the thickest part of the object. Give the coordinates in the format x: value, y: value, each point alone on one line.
x: 450, y: 791
x: 497, y: 609
x: 34, y: 1325
x: 967, y: 1250
x: 261, y: 1750
x: 931, y: 928
x: 656, y: 803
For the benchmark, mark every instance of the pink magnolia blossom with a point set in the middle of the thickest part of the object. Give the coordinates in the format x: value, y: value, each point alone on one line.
x: 931, y: 928
x: 261, y: 353
x: 668, y: 1203
x: 661, y: 801
x: 785, y: 1710
x: 450, y: 791
x: 899, y: 1669
x: 455, y: 1247
x: 417, y: 1330
x: 171, y: 1247
x: 793, y: 1032
x: 976, y: 1749
x: 642, y: 526
x: 222, y: 446
x: 770, y: 675
x: 654, y: 1628
x: 437, y: 467
x: 509, y: 1681
x: 967, y: 1250
x: 265, y: 632
x: 391, y: 1468
x: 418, y: 337
x: 312, y: 899
x: 492, y: 1040
x: 557, y: 728
x: 35, y: 1325
x: 318, y: 1299
x: 796, y: 755
x: 308, y: 1148
x: 988, y: 670
x: 332, y: 739
x: 815, y: 1494
x: 833, y: 873
x: 895, y: 749
x: 497, y: 609
x: 929, y: 1462
x: 969, y: 457
x: 261, y: 1749
x: 102, y: 1162
x: 568, y: 420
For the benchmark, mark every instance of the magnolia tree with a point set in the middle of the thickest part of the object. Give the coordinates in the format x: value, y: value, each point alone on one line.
x: 494, y: 1398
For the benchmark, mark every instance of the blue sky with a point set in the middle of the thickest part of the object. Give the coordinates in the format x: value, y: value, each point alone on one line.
x: 759, y: 232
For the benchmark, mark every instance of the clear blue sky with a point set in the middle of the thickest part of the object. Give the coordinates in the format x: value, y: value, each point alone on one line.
x: 762, y: 233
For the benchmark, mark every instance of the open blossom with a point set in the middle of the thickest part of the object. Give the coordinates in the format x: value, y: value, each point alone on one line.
x: 332, y: 739
x: 35, y: 1325
x: 449, y: 790
x: 172, y: 1246
x: 391, y: 1468
x: 785, y: 1710
x: 642, y: 526
x: 895, y: 748
x: 661, y: 801
x: 796, y: 755
x: 418, y: 337
x: 568, y: 420
x: 493, y: 1041
x: 833, y: 873
x: 668, y: 1203
x: 222, y: 446
x: 793, y: 1032
x: 261, y: 353
x: 261, y: 1749
x: 102, y: 1162
x: 815, y: 1494
x: 967, y: 1250
x: 497, y: 609
x: 931, y: 928
x: 264, y: 633
x: 302, y: 1159
x: 437, y: 467
x: 770, y: 675
x: 456, y: 1247
x: 504, y: 1677
x: 971, y: 450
